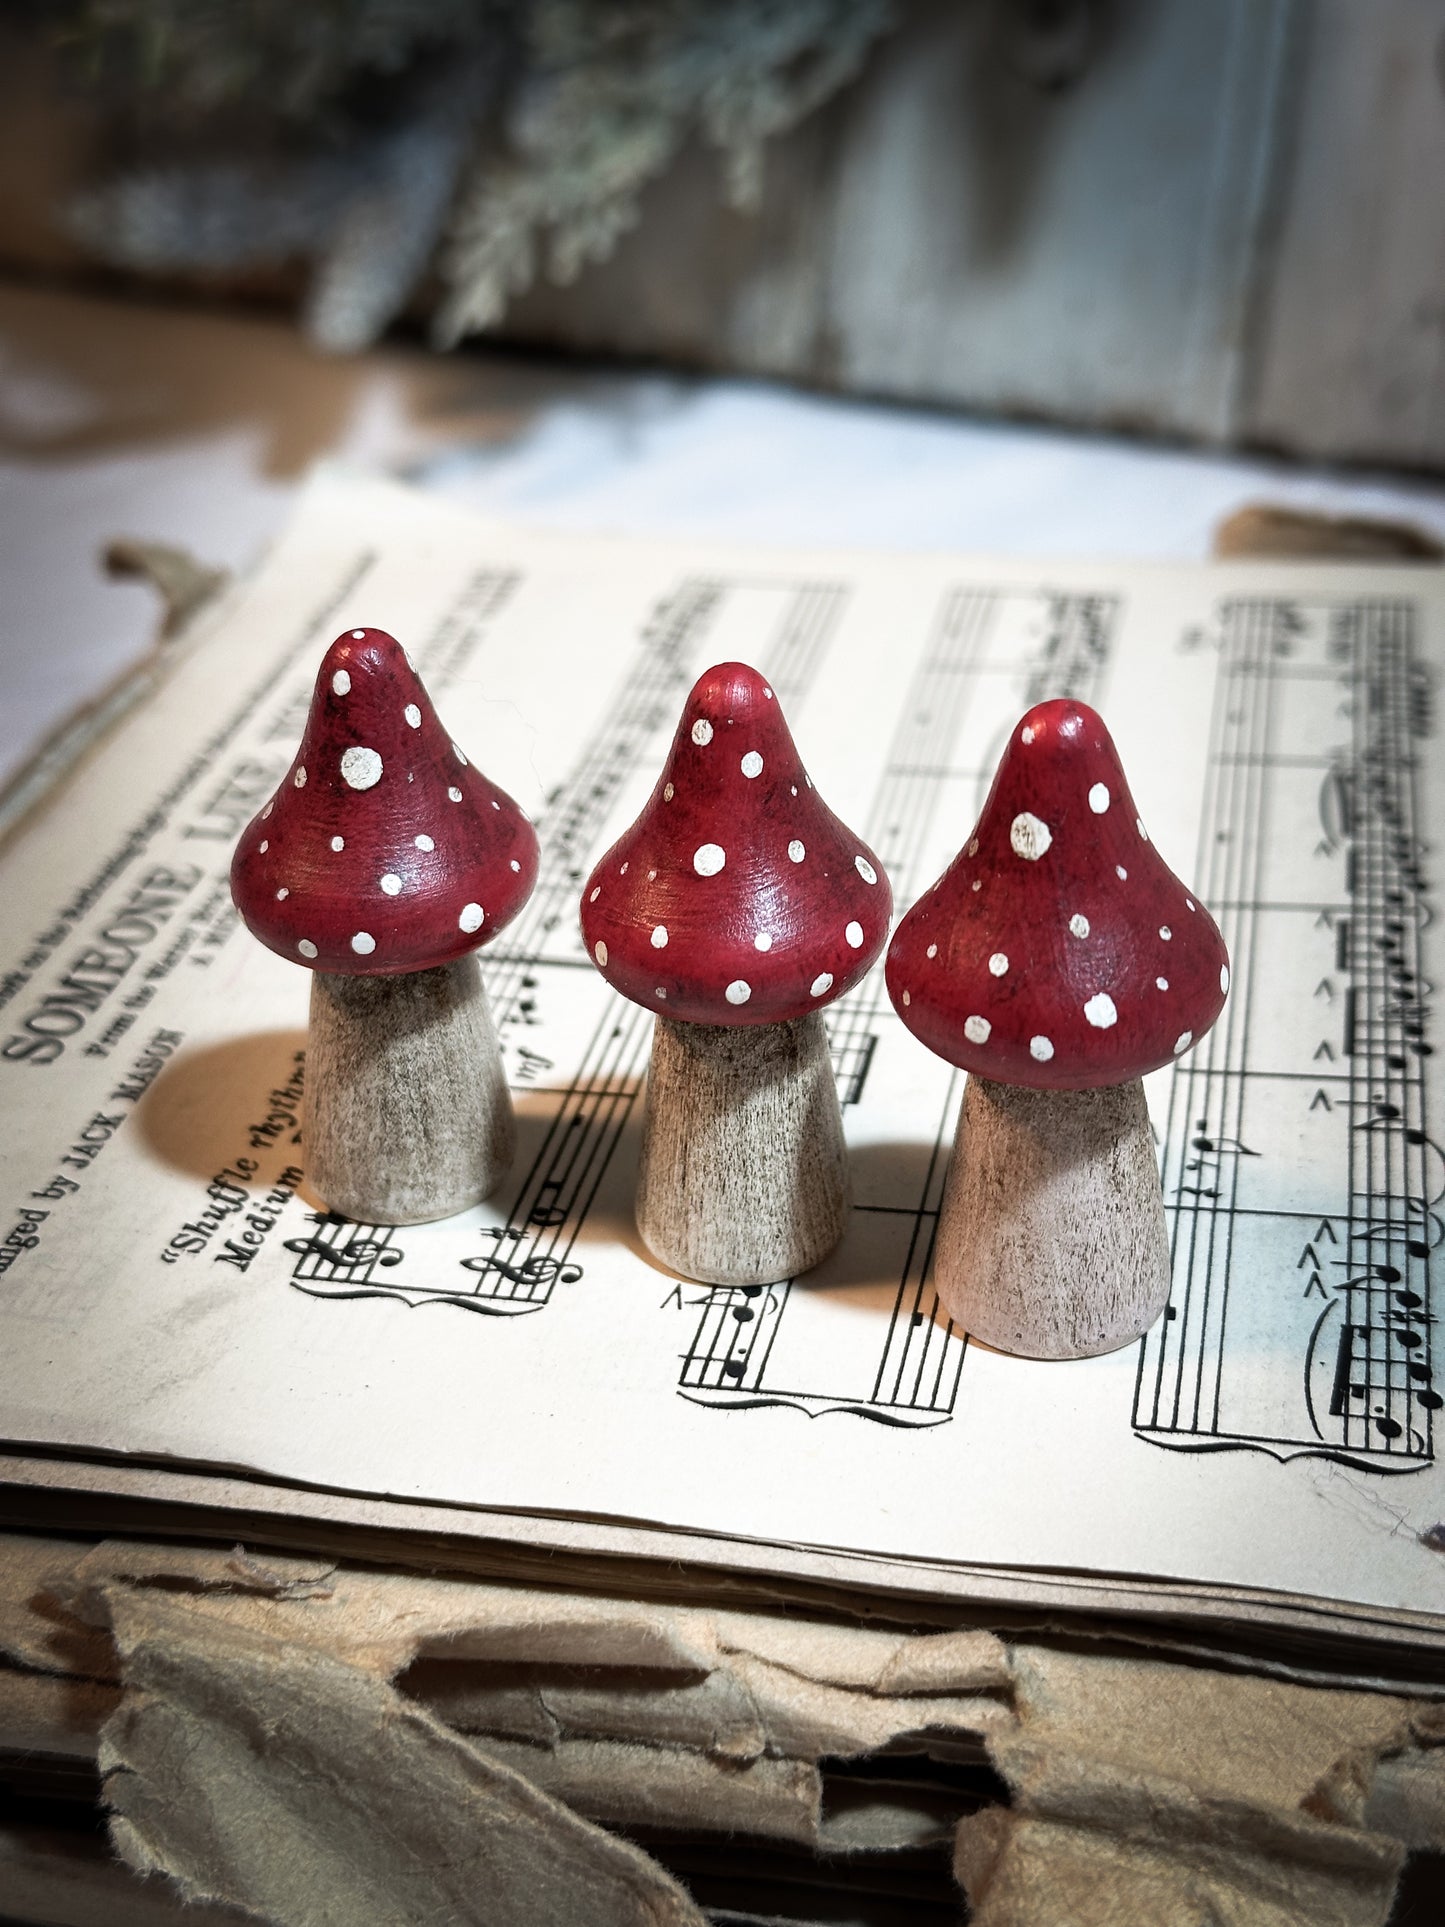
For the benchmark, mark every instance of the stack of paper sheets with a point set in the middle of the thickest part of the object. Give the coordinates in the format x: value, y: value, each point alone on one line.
x: 186, y: 1338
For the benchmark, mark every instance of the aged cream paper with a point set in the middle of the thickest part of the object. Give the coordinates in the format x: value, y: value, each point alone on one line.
x: 169, y: 1295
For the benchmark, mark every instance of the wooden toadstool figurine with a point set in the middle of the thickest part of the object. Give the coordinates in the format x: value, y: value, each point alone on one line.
x: 736, y: 907
x: 1057, y: 961
x: 381, y: 863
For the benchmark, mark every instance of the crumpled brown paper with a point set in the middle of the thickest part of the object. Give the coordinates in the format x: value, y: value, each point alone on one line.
x: 1177, y: 1796
x: 268, y: 1774
x: 259, y: 1701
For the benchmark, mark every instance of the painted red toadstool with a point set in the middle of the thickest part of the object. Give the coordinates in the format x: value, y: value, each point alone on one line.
x: 1057, y: 960
x: 381, y: 863
x: 736, y: 907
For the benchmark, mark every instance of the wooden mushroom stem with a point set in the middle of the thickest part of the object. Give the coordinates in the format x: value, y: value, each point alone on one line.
x: 408, y: 1116
x: 1052, y: 1241
x: 744, y: 1178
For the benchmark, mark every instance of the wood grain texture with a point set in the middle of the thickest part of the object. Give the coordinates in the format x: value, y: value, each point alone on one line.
x: 1052, y: 1242
x: 951, y: 230
x: 744, y: 1176
x: 408, y: 1116
x: 1347, y: 355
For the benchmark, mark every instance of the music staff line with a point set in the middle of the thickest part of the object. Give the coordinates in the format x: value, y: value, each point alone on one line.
x: 1363, y: 1390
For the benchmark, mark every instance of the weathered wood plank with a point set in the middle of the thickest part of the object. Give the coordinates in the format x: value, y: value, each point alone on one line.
x: 1350, y: 356
x: 950, y: 231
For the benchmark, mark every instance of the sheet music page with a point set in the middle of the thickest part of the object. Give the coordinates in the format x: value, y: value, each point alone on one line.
x: 170, y: 1293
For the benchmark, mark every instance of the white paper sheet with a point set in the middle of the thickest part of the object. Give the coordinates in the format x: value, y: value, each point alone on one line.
x: 169, y: 1294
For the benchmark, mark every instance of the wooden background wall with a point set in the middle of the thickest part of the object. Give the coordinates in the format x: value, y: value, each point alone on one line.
x: 1230, y: 226
x: 1220, y: 220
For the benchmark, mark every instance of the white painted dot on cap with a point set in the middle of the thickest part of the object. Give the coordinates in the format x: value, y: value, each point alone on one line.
x: 907, y: 998
x: 652, y: 876
x: 596, y: 893
x: 495, y: 804
x: 423, y: 843
x: 752, y: 764
x: 662, y: 993
x: 793, y: 788
x: 1161, y: 983
x: 459, y: 756
x: 412, y: 715
x: 1041, y: 1049
x: 391, y: 884
x: 454, y: 795
x: 822, y: 982
x: 516, y: 866
x: 1079, y: 925
x: 854, y: 935
x: 796, y: 851
x: 1099, y: 798
x: 363, y: 943
x: 702, y: 732
x: 1190, y: 903
x: 1165, y: 932
x: 267, y: 811
x: 973, y: 847
x: 668, y: 794
x: 977, y: 1029
x: 1183, y: 1041
x: 338, y: 842
x: 1224, y: 978
x: 1030, y: 836
x: 1139, y: 826
x: 738, y: 992
x: 282, y: 894
x: 599, y: 951
x: 659, y: 936
x: 299, y: 779
x: 264, y: 847
x: 998, y: 964
x: 360, y: 768
x: 767, y: 692
x: 978, y: 883
x: 622, y: 872
x: 708, y: 859
x: 341, y: 683
x: 1026, y: 734
x: 932, y: 950
x: 1121, y: 873
x: 865, y: 869
x: 763, y: 940
x: 306, y: 947
x: 470, y: 918
x: 1100, y: 1010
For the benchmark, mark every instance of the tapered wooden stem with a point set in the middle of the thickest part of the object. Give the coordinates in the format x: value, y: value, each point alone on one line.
x: 1052, y: 1242
x: 408, y: 1116
x: 744, y: 1178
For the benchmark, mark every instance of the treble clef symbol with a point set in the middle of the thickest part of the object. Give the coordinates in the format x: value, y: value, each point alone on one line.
x: 348, y: 1257
x: 532, y: 1271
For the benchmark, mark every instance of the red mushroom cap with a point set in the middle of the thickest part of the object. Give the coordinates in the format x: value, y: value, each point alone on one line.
x: 384, y: 850
x: 737, y: 897
x: 1058, y: 950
